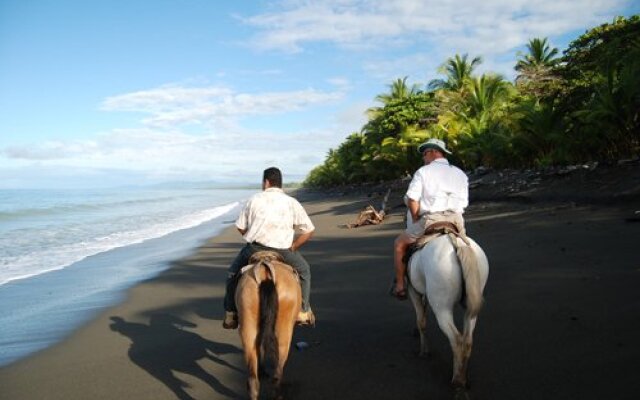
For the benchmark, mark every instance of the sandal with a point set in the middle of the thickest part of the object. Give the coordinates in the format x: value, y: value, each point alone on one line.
x: 398, y: 294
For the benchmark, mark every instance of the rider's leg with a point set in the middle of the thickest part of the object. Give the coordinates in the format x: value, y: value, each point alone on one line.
x: 415, y: 229
x: 401, y: 244
x: 295, y: 259
x: 231, y: 319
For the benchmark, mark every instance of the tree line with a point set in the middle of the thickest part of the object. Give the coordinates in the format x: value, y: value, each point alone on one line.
x: 581, y: 106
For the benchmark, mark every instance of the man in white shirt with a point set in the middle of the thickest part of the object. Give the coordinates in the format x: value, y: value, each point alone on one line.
x: 271, y: 220
x: 438, y: 192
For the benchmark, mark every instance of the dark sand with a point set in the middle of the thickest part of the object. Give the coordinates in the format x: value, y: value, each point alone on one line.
x: 561, y: 319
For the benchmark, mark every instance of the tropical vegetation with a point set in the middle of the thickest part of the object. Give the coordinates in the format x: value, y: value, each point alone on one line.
x: 581, y: 106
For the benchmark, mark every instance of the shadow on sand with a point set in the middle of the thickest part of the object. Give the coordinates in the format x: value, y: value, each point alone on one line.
x: 163, y: 347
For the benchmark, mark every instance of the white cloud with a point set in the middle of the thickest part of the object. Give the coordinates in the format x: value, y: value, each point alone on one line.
x: 340, y: 82
x: 166, y: 146
x: 350, y: 119
x: 487, y: 27
x: 171, y: 106
x: 174, y: 153
x: 49, y: 150
x: 415, y: 66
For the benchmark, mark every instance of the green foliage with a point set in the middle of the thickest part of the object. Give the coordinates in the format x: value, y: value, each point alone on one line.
x: 540, y: 55
x: 393, y: 133
x: 540, y: 139
x: 600, y: 90
x: 341, y: 166
x: 584, y: 106
x: 399, y: 90
x: 457, y: 70
x: 536, y: 75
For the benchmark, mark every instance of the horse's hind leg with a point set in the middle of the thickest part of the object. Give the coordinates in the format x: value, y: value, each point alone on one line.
x: 248, y: 336
x: 457, y: 342
x: 284, y: 330
x: 466, y: 344
x: 421, y: 309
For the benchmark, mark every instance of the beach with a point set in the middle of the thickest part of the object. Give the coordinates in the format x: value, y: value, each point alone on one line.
x: 561, y: 315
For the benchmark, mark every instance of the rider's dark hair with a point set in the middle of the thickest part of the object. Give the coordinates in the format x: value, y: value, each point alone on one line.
x: 274, y: 176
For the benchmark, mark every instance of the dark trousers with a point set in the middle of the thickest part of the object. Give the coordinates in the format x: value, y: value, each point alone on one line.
x: 293, y: 258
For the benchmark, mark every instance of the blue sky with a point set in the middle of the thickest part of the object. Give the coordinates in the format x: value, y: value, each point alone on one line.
x: 126, y: 92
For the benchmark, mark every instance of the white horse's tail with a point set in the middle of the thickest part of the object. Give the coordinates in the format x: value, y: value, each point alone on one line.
x: 471, y: 273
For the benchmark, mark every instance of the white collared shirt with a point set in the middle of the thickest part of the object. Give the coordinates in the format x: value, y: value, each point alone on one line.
x: 439, y: 186
x: 272, y: 217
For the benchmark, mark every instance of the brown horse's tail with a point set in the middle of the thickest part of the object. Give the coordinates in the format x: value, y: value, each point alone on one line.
x: 267, y: 340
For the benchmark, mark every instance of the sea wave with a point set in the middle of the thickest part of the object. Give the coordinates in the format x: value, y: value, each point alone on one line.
x: 82, y: 207
x: 47, y: 259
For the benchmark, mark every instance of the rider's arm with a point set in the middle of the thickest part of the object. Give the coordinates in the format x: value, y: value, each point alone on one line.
x: 414, y: 193
x: 414, y: 209
x: 242, y: 231
x: 300, y: 240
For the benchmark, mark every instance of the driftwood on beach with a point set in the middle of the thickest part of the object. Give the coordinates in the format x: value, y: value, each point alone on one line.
x: 369, y: 216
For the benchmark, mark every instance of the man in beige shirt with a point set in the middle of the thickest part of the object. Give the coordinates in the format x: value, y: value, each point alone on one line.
x: 271, y: 220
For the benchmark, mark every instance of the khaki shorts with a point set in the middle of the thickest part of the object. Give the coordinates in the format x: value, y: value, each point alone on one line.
x: 416, y: 229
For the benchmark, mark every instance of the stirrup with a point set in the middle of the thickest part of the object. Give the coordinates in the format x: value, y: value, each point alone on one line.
x: 230, y: 320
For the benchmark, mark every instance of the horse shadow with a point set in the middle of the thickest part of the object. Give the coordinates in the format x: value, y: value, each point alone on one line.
x: 163, y: 347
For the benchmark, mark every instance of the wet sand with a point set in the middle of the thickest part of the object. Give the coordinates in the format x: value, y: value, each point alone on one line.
x: 561, y: 318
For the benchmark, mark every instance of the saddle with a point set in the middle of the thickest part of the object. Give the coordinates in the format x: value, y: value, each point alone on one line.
x: 268, y: 259
x: 434, y: 230
x: 442, y: 227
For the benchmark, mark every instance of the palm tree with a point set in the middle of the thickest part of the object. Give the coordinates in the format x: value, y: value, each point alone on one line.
x: 485, y: 93
x: 535, y: 69
x: 457, y: 69
x: 539, y: 138
x: 399, y: 90
x: 540, y: 55
x: 475, y: 119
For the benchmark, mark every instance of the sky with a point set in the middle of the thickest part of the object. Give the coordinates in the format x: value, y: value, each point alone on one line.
x: 105, y: 93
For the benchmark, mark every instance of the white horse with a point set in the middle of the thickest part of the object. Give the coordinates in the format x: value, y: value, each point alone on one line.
x: 437, y: 273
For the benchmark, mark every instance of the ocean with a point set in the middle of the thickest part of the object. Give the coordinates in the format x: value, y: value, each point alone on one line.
x: 67, y: 254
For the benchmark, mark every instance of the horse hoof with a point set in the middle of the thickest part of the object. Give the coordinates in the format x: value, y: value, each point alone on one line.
x: 460, y: 393
x: 457, y: 384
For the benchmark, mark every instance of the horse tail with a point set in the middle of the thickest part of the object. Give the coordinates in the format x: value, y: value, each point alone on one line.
x: 471, y: 273
x: 267, y: 339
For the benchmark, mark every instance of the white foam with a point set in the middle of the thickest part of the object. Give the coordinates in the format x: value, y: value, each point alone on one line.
x: 55, y: 258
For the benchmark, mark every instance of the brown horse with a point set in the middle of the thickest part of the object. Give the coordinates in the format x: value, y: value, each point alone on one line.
x: 268, y: 298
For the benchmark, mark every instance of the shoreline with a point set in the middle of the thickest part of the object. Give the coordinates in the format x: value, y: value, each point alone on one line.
x: 150, y: 299
x: 561, y: 313
x: 41, y: 310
